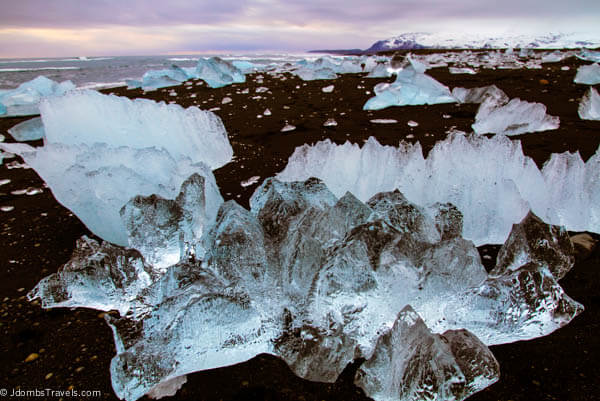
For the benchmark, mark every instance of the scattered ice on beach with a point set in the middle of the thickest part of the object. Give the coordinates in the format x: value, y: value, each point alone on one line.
x: 7, y: 208
x: 217, y: 72
x: 250, y: 181
x: 25, y: 100
x: 330, y: 122
x: 101, y: 150
x: 383, y: 121
x: 4, y: 181
x: 589, y: 107
x: 267, y: 112
x: 588, y: 74
x: 320, y: 281
x: 288, y: 127
x: 328, y: 89
x: 29, y: 130
x: 226, y: 100
x: 261, y: 89
x: 513, y: 118
x: 411, y: 87
x: 489, y: 179
x: 412, y: 123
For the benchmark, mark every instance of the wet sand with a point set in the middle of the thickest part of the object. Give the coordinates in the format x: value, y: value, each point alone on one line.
x: 74, y: 347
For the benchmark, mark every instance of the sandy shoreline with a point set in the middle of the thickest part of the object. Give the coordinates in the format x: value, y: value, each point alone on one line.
x: 74, y: 347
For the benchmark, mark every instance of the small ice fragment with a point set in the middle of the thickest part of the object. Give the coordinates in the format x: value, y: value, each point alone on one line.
x: 328, y: 89
x: 7, y: 208
x: 412, y: 123
x: 330, y: 123
x: 259, y: 116
x: 267, y: 112
x: 250, y: 181
x: 256, y: 97
x: 226, y: 100
x: 565, y: 68
x: 4, y: 181
x: 167, y: 388
x: 172, y: 93
x: 34, y: 191
x: 456, y: 70
x: 288, y: 127
x: 446, y: 116
x: 19, y: 192
x: 215, y: 109
x: 410, y: 136
x: 384, y: 121
x: 261, y: 89
x: 589, y: 108
x: 2, y: 137
x: 245, y: 91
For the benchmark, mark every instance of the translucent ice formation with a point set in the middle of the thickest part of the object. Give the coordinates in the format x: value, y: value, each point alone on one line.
x: 589, y: 107
x: 480, y: 95
x: 320, y: 281
x: 588, y: 74
x: 30, y: 130
x: 217, y: 72
x: 490, y: 180
x: 411, y: 87
x: 24, y: 100
x: 513, y: 118
x: 100, y: 151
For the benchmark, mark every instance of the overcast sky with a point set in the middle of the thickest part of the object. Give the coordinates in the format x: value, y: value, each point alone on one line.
x: 32, y: 28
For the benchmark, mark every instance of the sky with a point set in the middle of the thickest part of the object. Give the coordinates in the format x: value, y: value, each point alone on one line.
x: 36, y: 28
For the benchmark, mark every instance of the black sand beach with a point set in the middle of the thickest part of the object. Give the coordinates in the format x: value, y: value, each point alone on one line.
x: 65, y: 349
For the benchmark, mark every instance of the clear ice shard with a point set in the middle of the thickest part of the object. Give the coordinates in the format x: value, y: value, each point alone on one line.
x: 411, y: 87
x: 100, y: 151
x: 480, y: 95
x: 588, y: 74
x: 589, y: 107
x: 411, y: 363
x: 318, y: 281
x: 25, y: 100
x: 30, y: 130
x: 489, y: 180
x: 217, y: 72
x: 513, y: 118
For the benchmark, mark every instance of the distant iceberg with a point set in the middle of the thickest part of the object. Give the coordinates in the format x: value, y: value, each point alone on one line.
x: 25, y: 100
x: 217, y: 72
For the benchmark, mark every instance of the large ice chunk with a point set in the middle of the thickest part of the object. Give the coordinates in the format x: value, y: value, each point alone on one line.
x: 589, y: 107
x: 25, y: 100
x: 217, y: 72
x: 88, y: 117
x: 411, y: 87
x: 489, y: 179
x: 513, y: 118
x: 588, y: 74
x: 412, y: 363
x: 30, y: 130
x: 101, y: 151
x: 318, y: 281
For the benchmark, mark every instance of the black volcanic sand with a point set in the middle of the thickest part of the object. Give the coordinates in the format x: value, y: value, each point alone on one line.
x: 74, y: 347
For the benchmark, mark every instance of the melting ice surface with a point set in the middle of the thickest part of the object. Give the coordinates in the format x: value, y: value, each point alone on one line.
x: 29, y: 130
x: 95, y: 145
x: 589, y: 107
x: 319, y: 281
x: 489, y: 179
x: 24, y: 100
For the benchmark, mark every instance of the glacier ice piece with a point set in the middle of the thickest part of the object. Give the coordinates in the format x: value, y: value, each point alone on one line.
x: 25, y: 100
x: 589, y: 107
x: 411, y: 87
x: 317, y: 280
x: 30, y: 130
x: 168, y: 388
x: 489, y: 179
x: 313, y: 74
x: 588, y: 74
x: 480, y: 95
x: 513, y: 118
x: 101, y: 151
x: 412, y: 363
x: 461, y: 70
x: 589, y: 55
x: 217, y: 72
x: 381, y: 70
x: 88, y: 117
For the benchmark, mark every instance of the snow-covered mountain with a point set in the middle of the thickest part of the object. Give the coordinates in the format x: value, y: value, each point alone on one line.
x: 420, y: 40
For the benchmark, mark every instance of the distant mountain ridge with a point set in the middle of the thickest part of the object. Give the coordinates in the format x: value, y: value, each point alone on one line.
x: 423, y: 40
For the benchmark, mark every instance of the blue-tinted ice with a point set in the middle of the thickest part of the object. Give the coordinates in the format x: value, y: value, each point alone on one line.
x: 25, y: 100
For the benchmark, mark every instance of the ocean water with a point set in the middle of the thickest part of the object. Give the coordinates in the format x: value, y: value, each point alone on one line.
x: 105, y: 72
